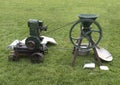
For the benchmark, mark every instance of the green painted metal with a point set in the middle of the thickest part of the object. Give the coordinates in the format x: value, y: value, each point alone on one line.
x: 34, y: 27
x: 86, y: 21
x: 87, y: 16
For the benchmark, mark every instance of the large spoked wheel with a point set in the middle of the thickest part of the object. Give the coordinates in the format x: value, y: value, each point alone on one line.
x: 83, y: 37
x: 37, y: 57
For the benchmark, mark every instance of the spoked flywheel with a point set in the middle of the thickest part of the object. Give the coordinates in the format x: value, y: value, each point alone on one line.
x: 85, y: 34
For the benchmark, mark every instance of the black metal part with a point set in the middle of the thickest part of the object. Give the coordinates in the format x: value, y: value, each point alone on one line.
x: 36, y: 55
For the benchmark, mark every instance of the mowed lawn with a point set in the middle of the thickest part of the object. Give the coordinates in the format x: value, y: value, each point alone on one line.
x: 56, y: 69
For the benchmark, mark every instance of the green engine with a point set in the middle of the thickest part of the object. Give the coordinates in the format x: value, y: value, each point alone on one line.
x: 33, y: 42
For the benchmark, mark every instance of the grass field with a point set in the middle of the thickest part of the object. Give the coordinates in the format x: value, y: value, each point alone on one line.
x: 56, y: 69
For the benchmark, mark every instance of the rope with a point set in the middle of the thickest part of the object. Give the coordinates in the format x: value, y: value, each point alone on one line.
x: 68, y: 49
x: 60, y: 27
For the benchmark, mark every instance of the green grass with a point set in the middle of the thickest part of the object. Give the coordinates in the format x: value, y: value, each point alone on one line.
x: 56, y: 69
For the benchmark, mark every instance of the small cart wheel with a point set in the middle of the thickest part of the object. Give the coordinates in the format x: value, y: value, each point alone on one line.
x: 10, y: 58
x: 37, y: 58
x: 13, y: 58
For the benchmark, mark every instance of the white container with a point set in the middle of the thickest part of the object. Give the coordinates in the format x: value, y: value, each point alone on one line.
x: 89, y: 65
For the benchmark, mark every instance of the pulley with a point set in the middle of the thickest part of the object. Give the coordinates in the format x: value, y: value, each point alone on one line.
x: 85, y: 33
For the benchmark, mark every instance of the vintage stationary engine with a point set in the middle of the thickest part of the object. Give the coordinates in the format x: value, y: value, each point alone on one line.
x: 32, y: 46
x: 33, y: 42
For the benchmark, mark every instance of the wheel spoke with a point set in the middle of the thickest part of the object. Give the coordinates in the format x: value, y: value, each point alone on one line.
x: 95, y: 31
x: 89, y: 45
x: 87, y: 32
x: 74, y: 38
